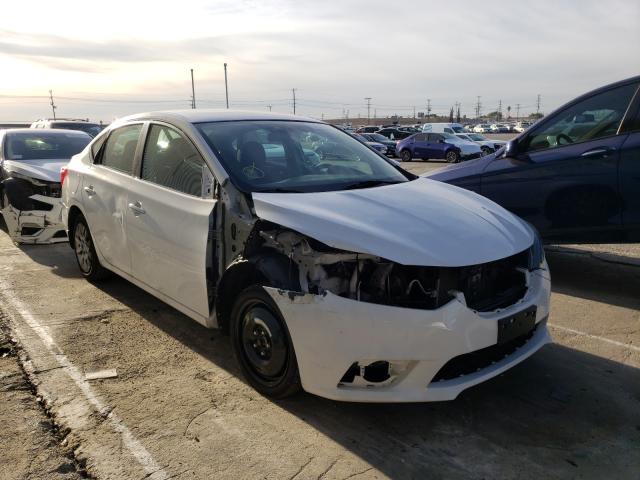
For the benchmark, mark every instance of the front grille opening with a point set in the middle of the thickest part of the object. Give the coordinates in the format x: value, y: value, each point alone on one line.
x: 474, y: 361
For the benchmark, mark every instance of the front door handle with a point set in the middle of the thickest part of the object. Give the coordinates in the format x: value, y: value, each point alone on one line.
x: 598, y: 151
x: 137, y: 209
x: 90, y: 191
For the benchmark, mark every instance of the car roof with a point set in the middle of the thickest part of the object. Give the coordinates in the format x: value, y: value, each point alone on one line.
x: 47, y: 131
x: 214, y: 115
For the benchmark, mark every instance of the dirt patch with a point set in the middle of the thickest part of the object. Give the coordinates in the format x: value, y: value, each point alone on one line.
x: 29, y: 440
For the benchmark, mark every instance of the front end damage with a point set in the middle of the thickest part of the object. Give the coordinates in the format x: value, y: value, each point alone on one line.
x: 32, y: 211
x: 368, y: 329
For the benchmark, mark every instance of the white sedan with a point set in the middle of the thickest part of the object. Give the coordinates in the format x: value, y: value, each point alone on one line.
x: 334, y: 271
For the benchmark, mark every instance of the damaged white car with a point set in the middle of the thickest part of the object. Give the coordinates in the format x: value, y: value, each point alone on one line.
x: 30, y: 163
x: 332, y: 269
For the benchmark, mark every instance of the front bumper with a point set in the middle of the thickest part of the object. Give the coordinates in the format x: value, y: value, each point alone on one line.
x: 471, y: 156
x: 36, y: 226
x: 331, y: 333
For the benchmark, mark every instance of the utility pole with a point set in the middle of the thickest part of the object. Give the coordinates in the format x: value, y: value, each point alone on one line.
x: 517, y: 112
x: 428, y: 109
x: 226, y: 85
x: 478, y: 107
x: 53, y: 105
x: 269, y: 107
x: 538, y: 105
x: 499, y: 116
x: 414, y: 113
x: 193, y: 92
x: 293, y: 90
x: 368, y: 99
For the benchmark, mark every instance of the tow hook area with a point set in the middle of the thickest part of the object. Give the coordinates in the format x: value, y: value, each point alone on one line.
x: 368, y: 374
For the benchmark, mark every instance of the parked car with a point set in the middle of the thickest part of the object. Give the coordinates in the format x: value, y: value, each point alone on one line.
x: 393, y: 133
x: 488, y: 146
x: 442, y: 128
x: 69, y: 124
x: 499, y: 128
x: 376, y: 137
x: 482, y: 128
x: 368, y: 129
x: 521, y: 126
x: 30, y: 163
x: 575, y: 174
x: 348, y: 277
x: 377, y: 146
x: 437, y: 146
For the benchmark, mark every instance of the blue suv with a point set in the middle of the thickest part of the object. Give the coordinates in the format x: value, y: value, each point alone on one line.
x: 575, y: 174
x: 428, y: 146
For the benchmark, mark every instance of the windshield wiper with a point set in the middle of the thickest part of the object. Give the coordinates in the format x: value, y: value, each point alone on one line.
x: 369, y: 184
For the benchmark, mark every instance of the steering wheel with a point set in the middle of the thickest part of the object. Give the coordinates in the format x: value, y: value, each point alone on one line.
x: 563, y: 136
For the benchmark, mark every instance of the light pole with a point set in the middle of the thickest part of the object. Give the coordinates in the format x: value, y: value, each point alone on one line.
x: 368, y: 99
x: 226, y: 85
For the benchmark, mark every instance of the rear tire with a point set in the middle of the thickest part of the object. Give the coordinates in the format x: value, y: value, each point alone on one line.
x: 262, y: 344
x: 86, y: 255
x: 452, y: 156
x: 405, y: 156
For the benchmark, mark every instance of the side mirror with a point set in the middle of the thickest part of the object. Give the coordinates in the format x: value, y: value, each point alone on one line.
x: 511, y: 148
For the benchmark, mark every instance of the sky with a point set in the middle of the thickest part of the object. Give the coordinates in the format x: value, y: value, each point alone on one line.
x: 103, y: 60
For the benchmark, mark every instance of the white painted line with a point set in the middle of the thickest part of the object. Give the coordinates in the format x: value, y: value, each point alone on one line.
x: 596, y: 337
x: 130, y: 442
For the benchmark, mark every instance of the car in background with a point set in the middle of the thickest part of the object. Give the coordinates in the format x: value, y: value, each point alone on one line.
x: 350, y: 278
x: 368, y: 129
x: 376, y: 137
x: 69, y: 124
x: 575, y: 174
x: 499, y: 128
x: 442, y: 128
x: 488, y: 146
x: 521, y: 126
x: 377, y: 146
x: 482, y: 128
x: 393, y: 133
x: 434, y: 146
x: 409, y: 128
x: 30, y: 163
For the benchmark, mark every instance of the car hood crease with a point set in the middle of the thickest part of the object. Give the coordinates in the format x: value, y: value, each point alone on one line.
x: 421, y: 222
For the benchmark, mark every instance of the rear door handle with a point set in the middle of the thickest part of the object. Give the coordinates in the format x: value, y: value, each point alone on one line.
x: 90, y: 191
x: 137, y: 209
x: 599, y: 151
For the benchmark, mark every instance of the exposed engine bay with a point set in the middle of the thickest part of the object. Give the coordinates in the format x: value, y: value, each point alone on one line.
x: 373, y: 279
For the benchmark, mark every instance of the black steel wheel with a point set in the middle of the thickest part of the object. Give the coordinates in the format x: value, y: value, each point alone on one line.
x: 86, y: 255
x: 262, y: 345
x: 452, y: 156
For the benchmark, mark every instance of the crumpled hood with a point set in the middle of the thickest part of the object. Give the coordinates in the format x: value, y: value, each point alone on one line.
x: 48, y: 170
x: 421, y: 222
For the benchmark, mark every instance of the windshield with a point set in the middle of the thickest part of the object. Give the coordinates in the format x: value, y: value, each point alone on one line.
x: 290, y: 156
x: 91, y: 128
x: 476, y: 137
x: 457, y: 129
x: 43, y: 145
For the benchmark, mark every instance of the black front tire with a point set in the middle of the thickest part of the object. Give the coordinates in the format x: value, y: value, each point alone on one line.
x: 262, y: 344
x: 86, y: 255
x: 405, y: 155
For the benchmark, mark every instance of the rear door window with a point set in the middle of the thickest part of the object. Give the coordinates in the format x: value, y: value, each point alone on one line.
x: 120, y: 149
